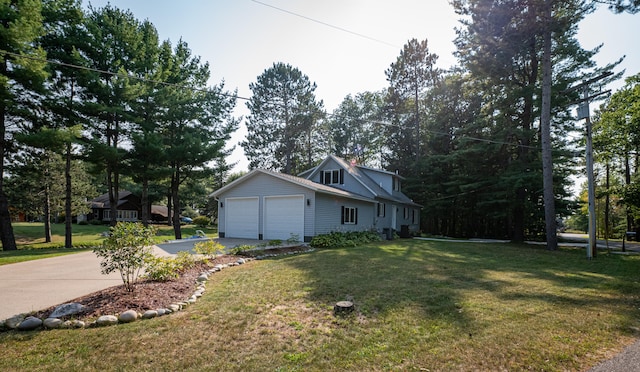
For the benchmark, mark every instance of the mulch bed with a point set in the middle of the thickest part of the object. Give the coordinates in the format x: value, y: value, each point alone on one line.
x: 147, y: 295
x: 151, y: 295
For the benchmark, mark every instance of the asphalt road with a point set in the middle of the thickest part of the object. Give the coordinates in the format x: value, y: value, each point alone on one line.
x: 602, y: 244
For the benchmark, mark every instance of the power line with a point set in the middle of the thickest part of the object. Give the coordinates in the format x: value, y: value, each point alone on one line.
x: 327, y: 24
x: 235, y: 96
x: 121, y: 75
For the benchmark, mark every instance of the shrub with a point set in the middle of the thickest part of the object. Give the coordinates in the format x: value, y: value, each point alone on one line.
x: 95, y: 222
x: 185, y: 260
x: 161, y: 269
x: 294, y: 238
x: 202, y: 221
x: 83, y: 223
x: 344, y: 239
x: 126, y: 250
x: 238, y: 249
x: 209, y: 248
x: 275, y: 242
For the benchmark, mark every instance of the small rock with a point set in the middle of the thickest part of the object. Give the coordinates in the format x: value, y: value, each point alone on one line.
x: 106, y: 320
x: 29, y: 324
x: 174, y: 307
x: 192, y: 300
x: 77, y: 324
x: 14, y: 321
x: 150, y: 314
x: 162, y: 312
x: 197, y: 294
x: 183, y: 304
x: 3, y: 324
x: 128, y: 316
x: 52, y: 323
x: 203, y: 278
x: 219, y: 267
x: 66, y: 309
x: 241, y: 261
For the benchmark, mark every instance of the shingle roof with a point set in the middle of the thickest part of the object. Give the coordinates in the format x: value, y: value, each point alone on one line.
x: 358, y: 172
x: 317, y: 187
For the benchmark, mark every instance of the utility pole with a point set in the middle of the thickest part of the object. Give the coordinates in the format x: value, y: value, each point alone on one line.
x: 583, y: 113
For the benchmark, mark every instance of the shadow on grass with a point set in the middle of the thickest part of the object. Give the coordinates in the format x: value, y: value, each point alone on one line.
x: 441, y: 279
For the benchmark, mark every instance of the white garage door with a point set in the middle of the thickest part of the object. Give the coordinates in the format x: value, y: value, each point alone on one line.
x: 241, y: 218
x: 283, y: 217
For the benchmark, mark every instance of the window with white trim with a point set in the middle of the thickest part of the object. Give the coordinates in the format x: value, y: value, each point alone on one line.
x: 406, y: 213
x: 332, y: 177
x: 413, y: 216
x: 349, y: 216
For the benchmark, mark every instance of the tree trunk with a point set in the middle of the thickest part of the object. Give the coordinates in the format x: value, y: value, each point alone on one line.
x: 169, y: 208
x: 176, y: 205
x: 607, y: 205
x: 145, y: 202
x: 6, y: 230
x: 67, y: 201
x: 545, y: 129
x: 47, y: 214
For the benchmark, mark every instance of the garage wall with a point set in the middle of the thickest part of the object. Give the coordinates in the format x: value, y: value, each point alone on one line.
x: 261, y: 185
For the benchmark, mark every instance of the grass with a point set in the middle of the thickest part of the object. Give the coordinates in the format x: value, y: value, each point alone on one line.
x: 31, y: 243
x: 419, y: 306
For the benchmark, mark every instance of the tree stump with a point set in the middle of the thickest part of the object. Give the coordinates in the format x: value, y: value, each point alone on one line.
x: 343, y: 308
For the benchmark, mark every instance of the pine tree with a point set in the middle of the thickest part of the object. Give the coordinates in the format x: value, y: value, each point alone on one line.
x: 21, y: 73
x: 284, y: 115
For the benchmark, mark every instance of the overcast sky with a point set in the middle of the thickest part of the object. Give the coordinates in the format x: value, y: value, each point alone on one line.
x: 344, y: 46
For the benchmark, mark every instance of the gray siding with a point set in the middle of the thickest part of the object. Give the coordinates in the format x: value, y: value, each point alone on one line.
x: 382, y: 179
x: 262, y: 185
x: 328, y: 214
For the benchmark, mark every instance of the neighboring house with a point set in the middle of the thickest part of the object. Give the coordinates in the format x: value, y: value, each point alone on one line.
x: 334, y: 196
x: 129, y: 207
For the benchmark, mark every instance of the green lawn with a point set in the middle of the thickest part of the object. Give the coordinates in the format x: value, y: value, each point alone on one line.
x: 420, y: 306
x: 31, y: 245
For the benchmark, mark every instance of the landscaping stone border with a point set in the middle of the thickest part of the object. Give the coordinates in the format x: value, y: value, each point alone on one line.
x: 26, y: 322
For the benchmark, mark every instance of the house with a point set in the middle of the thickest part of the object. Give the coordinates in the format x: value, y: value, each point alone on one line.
x: 129, y: 207
x: 334, y: 196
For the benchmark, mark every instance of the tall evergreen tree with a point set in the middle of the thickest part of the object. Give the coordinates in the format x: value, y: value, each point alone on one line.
x: 503, y: 45
x: 146, y: 161
x: 284, y: 114
x: 21, y: 73
x: 196, y: 122
x: 115, y: 44
x: 64, y: 39
x: 410, y: 77
x: 356, y: 129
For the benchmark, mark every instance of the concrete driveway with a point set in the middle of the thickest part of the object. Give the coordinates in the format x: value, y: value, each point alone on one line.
x: 36, y: 285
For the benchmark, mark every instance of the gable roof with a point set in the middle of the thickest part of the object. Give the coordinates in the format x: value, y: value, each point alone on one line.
x: 359, y: 174
x: 102, y: 201
x: 303, y: 182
